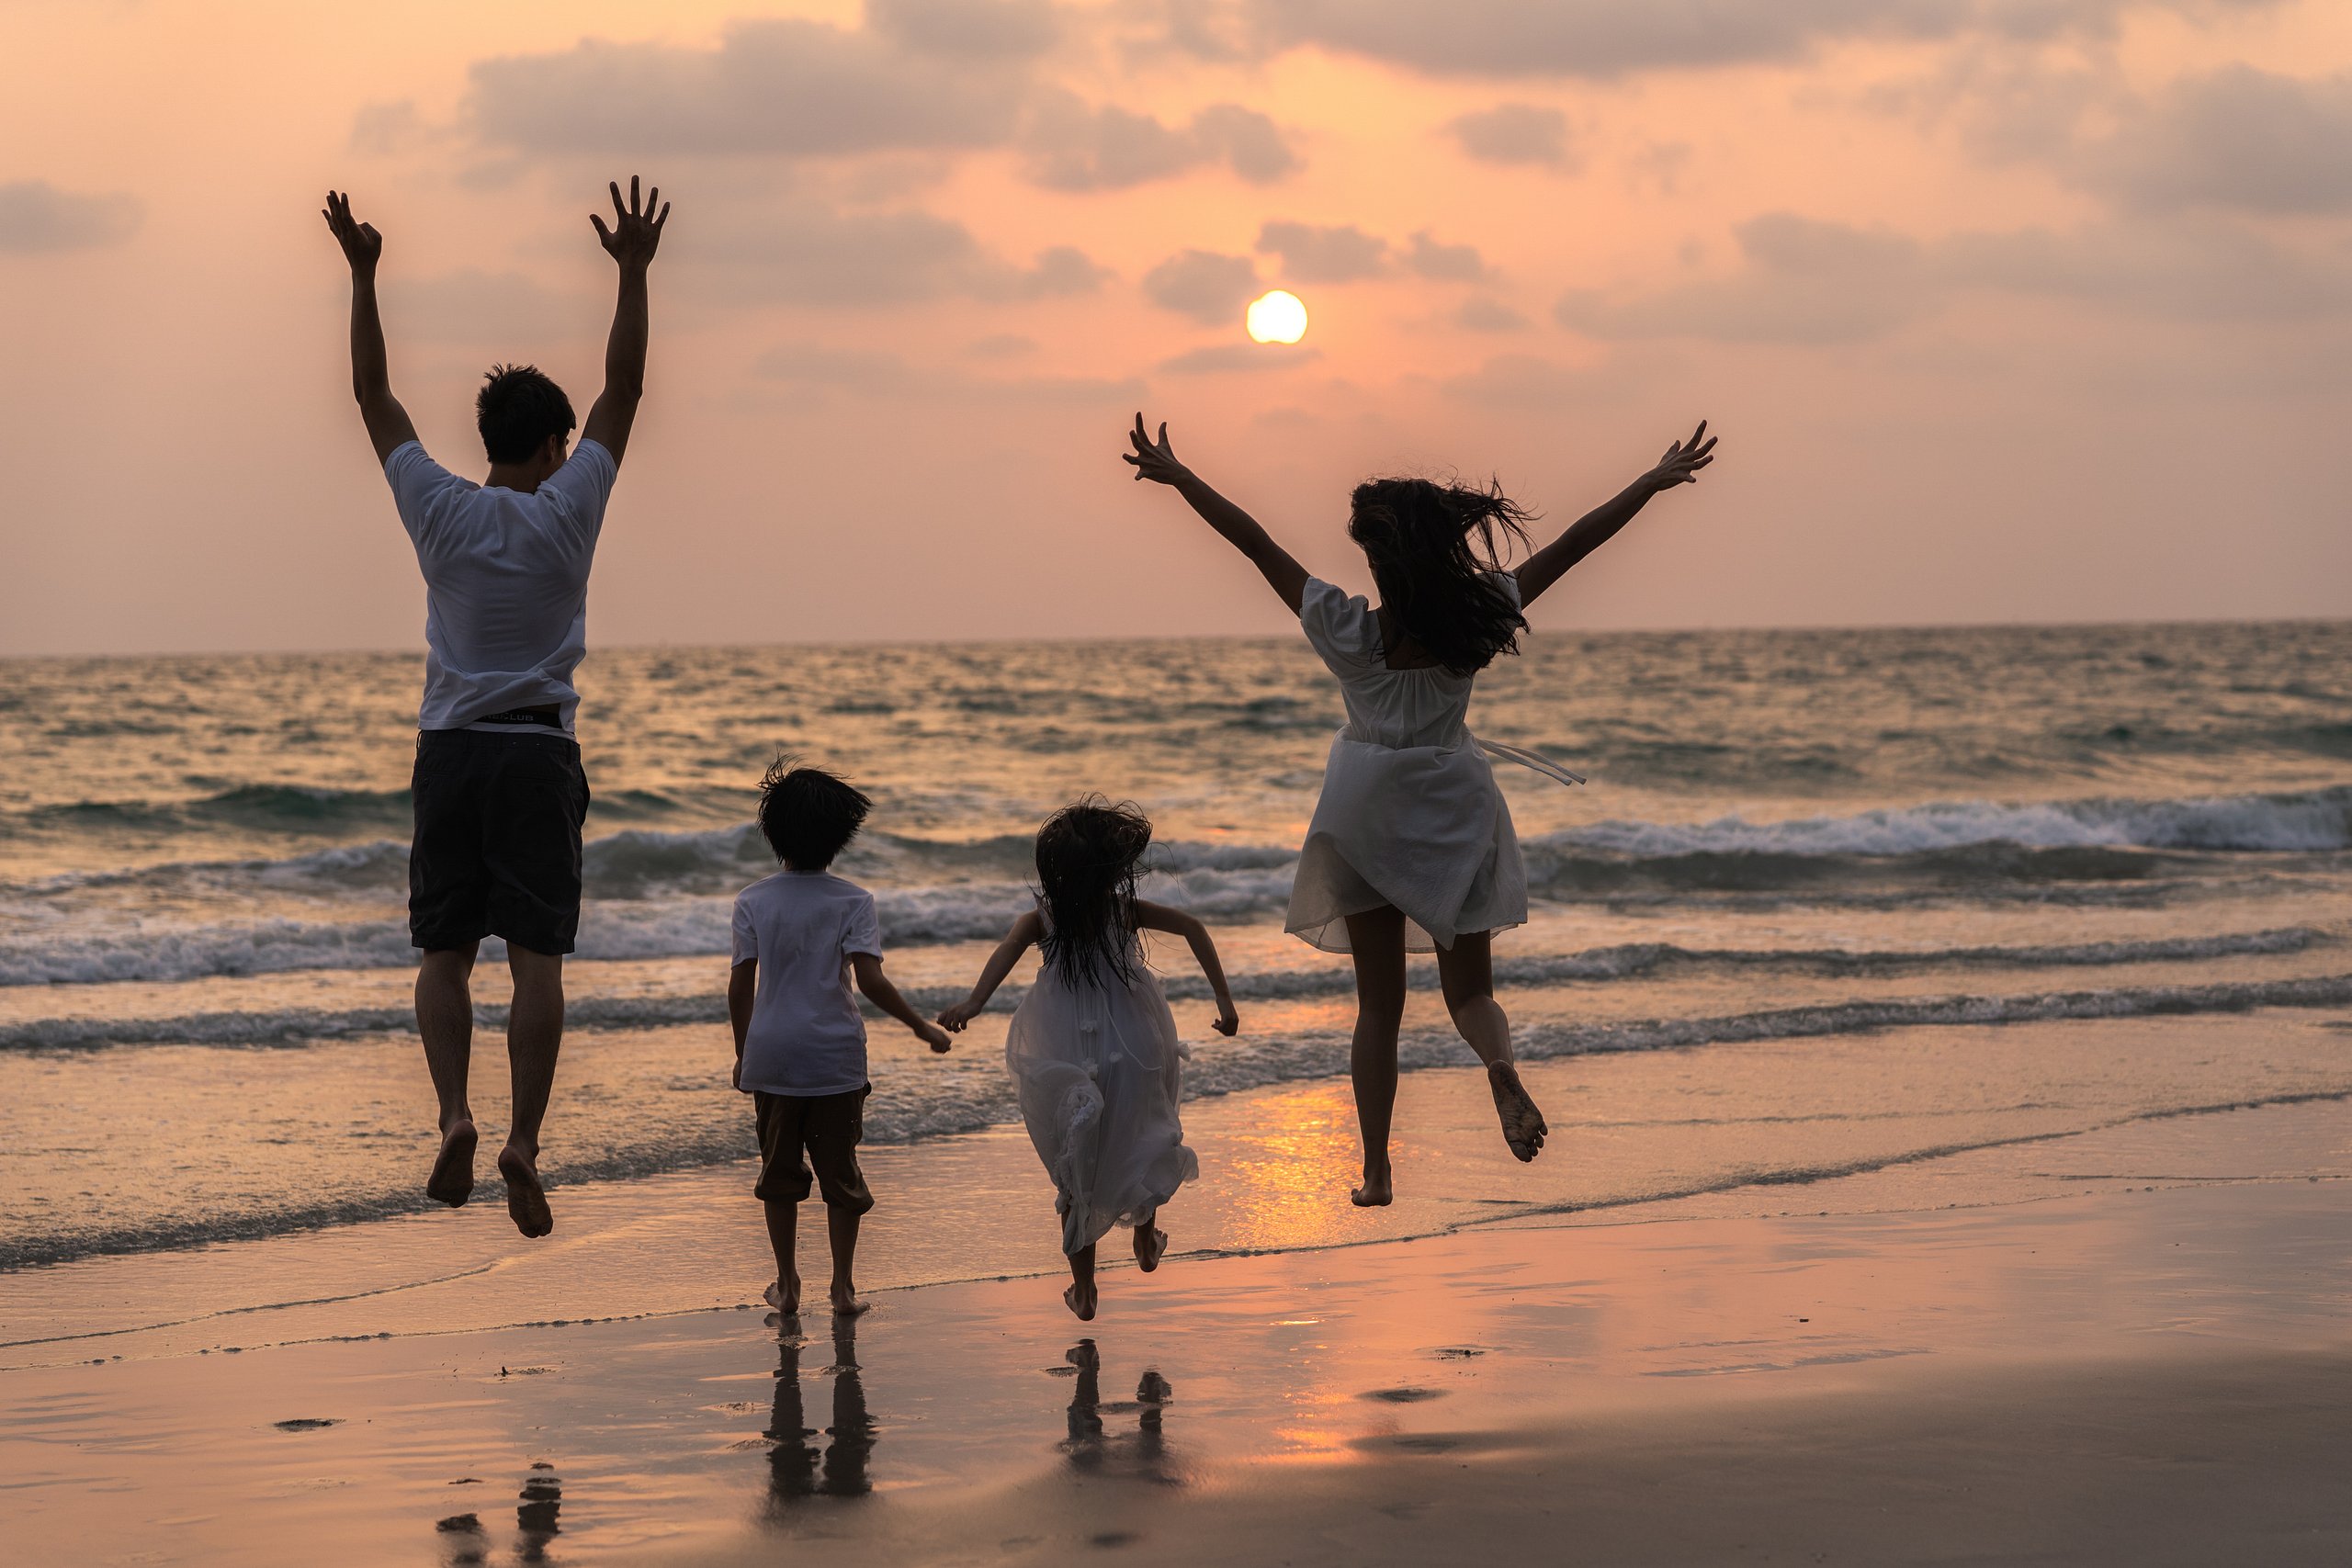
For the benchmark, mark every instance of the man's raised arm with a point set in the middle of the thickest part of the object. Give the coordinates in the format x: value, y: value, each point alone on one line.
x: 371, y: 379
x: 631, y: 241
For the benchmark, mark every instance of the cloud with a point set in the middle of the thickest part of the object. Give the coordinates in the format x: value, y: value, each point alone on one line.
x: 1344, y: 254
x: 816, y: 372
x: 501, y: 312
x: 1071, y: 146
x: 1603, y: 38
x: 1513, y: 133
x: 776, y: 85
x: 37, y: 217
x: 1204, y: 284
x: 1245, y: 357
x: 1483, y: 315
x: 1522, y: 380
x: 968, y: 30
x: 1448, y: 264
x: 2237, y: 138
x: 812, y: 254
x: 1809, y: 282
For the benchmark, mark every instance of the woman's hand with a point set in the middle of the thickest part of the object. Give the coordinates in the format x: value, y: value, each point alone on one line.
x: 1683, y: 461
x: 1228, y: 1022
x: 954, y: 1018
x: 1155, y: 460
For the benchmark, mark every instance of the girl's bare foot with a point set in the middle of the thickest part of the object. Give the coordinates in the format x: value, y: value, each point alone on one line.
x: 452, y: 1181
x: 784, y: 1294
x: 1379, y: 1189
x: 1080, y: 1301
x: 526, y: 1202
x: 1151, y: 1246
x: 847, y: 1300
x: 1524, y: 1127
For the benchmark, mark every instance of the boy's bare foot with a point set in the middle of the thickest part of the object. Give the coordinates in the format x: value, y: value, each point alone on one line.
x: 847, y: 1303
x: 452, y: 1181
x: 1080, y: 1300
x: 526, y: 1202
x: 1151, y: 1246
x: 1377, y: 1193
x: 1524, y: 1127
x: 784, y: 1294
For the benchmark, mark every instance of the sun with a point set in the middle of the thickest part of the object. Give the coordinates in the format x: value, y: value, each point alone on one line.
x: 1278, y: 317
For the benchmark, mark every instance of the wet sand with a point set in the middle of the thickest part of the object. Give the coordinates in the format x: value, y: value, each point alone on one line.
x: 2136, y: 1372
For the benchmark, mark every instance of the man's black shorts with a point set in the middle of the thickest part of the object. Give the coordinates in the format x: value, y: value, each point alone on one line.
x: 497, y: 845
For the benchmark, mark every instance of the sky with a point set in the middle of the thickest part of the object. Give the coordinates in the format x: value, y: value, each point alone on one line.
x: 2004, y: 309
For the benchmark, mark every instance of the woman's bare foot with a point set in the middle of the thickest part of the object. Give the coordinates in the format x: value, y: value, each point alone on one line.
x: 1151, y: 1246
x: 1524, y: 1127
x: 452, y: 1181
x: 1080, y: 1300
x: 847, y: 1300
x: 1379, y: 1189
x: 526, y: 1202
x: 784, y: 1294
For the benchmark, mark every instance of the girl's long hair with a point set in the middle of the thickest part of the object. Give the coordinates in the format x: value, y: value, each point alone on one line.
x: 1430, y: 546
x: 1087, y: 855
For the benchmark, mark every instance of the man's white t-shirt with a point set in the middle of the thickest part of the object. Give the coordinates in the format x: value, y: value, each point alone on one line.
x: 806, y: 1037
x: 506, y: 583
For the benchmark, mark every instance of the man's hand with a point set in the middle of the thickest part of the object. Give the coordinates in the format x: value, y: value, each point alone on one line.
x: 362, y: 246
x: 1155, y: 460
x: 935, y: 1037
x: 1683, y: 461
x: 635, y: 232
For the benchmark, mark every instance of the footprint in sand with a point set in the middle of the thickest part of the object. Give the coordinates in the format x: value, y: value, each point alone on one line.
x: 1403, y: 1395
x: 308, y: 1423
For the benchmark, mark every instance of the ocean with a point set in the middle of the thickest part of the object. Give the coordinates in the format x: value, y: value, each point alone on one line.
x: 1832, y: 900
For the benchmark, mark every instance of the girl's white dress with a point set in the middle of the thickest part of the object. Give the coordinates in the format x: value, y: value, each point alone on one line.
x: 1100, y: 1070
x: 1411, y: 814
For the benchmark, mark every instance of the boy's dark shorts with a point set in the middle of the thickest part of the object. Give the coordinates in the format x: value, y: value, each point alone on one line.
x: 830, y: 1127
x: 497, y: 845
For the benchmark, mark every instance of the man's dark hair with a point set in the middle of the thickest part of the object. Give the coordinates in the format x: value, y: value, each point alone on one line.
x: 519, y: 408
x: 808, y: 815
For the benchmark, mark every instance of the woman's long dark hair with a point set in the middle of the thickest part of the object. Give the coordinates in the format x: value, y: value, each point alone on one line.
x: 1430, y: 546
x: 1087, y: 855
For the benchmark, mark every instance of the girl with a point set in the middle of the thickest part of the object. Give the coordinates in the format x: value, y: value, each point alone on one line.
x: 1411, y: 844
x: 1093, y: 1047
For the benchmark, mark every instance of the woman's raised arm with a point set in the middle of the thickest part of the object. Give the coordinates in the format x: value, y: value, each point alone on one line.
x: 1155, y: 460
x: 1680, y: 465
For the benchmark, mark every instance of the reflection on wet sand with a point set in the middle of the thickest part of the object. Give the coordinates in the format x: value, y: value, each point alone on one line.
x: 466, y: 1544
x: 1140, y: 1455
x: 797, y: 1469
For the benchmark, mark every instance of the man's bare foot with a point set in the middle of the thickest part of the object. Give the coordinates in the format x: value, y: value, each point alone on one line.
x: 1377, y: 1191
x: 1524, y: 1127
x: 452, y: 1181
x: 1151, y: 1246
x: 784, y: 1294
x: 1080, y: 1300
x: 526, y: 1202
x: 846, y: 1302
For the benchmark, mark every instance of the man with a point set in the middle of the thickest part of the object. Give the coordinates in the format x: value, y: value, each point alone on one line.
x: 500, y: 796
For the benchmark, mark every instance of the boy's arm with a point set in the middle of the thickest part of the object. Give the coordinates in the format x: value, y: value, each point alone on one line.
x: 1018, y: 941
x: 388, y: 427
x: 877, y: 989
x: 1680, y: 465
x: 635, y: 235
x: 1153, y: 916
x: 742, y: 985
x: 1155, y: 460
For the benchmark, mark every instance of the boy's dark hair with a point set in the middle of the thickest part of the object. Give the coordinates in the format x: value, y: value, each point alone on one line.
x: 1087, y: 854
x: 808, y: 815
x: 1431, y: 548
x: 517, y: 410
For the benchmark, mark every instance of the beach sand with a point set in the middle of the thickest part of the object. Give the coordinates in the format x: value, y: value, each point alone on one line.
x: 2140, y: 1353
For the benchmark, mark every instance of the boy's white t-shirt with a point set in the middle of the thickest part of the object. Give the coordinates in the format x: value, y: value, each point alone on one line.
x: 506, y: 583
x: 807, y: 1036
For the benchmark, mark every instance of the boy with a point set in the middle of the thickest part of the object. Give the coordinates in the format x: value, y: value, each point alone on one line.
x: 799, y: 1043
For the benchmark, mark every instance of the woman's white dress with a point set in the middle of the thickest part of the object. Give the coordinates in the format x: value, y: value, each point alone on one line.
x: 1099, y: 1071
x: 1411, y: 814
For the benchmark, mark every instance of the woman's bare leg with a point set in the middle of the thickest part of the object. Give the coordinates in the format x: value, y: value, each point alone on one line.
x: 1467, y: 971
x: 1376, y: 938
x: 1079, y: 1297
x: 1151, y: 1242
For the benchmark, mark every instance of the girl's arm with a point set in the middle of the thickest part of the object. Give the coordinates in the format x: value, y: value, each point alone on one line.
x: 742, y: 985
x: 877, y: 989
x: 1018, y: 941
x: 1680, y: 465
x: 1151, y: 916
x: 1155, y: 460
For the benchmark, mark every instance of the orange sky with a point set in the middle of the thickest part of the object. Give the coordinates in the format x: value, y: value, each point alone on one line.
x: 2006, y: 310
